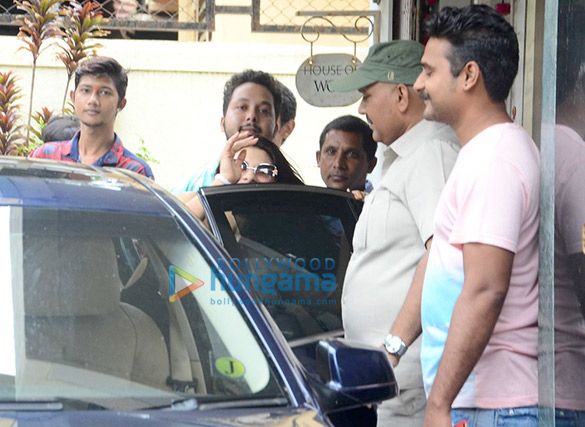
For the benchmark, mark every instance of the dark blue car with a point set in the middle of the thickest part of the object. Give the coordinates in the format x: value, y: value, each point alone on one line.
x: 118, y: 307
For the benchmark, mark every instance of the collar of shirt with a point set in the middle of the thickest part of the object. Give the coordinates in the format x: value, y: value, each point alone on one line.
x: 70, y: 148
x: 410, y: 141
x: 110, y: 158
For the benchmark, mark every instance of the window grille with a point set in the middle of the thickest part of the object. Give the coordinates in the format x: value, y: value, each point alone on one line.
x: 279, y: 16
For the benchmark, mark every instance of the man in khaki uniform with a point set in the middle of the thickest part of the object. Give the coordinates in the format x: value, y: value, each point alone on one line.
x: 395, y: 227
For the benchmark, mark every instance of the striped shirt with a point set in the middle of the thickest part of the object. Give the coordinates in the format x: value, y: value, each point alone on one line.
x: 117, y: 156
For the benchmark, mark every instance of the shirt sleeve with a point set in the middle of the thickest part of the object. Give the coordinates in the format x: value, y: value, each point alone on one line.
x: 141, y: 168
x: 202, y: 178
x: 492, y: 201
x: 38, y: 153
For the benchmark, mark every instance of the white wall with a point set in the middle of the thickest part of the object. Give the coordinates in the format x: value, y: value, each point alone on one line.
x: 175, y: 97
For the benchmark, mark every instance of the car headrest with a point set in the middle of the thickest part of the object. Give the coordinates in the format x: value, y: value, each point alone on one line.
x: 70, y: 276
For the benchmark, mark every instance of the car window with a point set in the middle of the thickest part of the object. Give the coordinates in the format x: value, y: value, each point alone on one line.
x: 292, y: 251
x: 113, y: 310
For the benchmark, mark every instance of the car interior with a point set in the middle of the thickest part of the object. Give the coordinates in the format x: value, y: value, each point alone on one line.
x: 96, y: 327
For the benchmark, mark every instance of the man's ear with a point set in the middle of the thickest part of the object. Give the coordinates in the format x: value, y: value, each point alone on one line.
x: 471, y: 74
x: 72, y: 95
x: 318, y: 157
x: 403, y: 95
x: 287, y: 129
x: 372, y: 164
x: 222, y: 124
x: 121, y: 105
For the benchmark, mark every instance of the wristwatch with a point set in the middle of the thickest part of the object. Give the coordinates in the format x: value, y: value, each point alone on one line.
x: 394, y: 345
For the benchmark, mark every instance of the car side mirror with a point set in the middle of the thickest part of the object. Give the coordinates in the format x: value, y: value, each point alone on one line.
x: 361, y: 374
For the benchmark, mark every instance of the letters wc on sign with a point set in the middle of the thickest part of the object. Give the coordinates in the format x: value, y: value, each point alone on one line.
x: 314, y: 79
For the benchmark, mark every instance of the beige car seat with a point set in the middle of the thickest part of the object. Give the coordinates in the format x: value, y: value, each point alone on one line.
x: 74, y: 317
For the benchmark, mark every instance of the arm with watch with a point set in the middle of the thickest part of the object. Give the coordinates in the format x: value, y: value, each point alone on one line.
x: 407, y: 325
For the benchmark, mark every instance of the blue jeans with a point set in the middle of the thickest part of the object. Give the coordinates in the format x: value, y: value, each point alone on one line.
x: 568, y: 418
x: 526, y: 416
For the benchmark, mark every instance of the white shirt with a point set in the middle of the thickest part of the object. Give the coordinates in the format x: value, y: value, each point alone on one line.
x: 396, y: 222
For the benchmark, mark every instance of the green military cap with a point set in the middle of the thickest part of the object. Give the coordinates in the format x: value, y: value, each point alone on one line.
x: 396, y: 62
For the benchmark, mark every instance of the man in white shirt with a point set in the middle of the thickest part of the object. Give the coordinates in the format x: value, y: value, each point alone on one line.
x: 395, y: 227
x: 477, y: 302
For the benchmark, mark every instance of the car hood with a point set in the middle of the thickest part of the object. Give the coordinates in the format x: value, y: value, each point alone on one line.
x: 220, y: 417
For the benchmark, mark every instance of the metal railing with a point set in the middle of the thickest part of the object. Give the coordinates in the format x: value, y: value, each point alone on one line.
x: 278, y: 16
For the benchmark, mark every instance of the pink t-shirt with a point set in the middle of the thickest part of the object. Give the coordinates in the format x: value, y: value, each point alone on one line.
x: 569, y: 220
x: 491, y: 197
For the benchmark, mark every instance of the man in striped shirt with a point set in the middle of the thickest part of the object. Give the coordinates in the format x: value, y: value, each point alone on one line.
x: 99, y: 95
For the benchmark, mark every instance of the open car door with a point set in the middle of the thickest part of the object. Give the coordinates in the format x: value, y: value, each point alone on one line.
x: 291, y: 244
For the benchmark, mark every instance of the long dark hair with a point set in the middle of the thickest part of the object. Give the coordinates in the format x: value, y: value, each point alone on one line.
x: 287, y: 174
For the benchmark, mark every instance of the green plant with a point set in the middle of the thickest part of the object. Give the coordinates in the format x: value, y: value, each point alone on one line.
x: 82, y: 23
x: 40, y: 119
x: 10, y: 130
x: 38, y: 24
x: 144, y: 153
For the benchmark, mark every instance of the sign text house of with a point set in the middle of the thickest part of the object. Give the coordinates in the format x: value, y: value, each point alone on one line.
x: 313, y: 80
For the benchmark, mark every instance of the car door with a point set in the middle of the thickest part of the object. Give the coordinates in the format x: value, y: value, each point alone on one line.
x: 291, y: 245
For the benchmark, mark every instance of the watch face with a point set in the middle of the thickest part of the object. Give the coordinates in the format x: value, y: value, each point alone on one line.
x: 394, y: 345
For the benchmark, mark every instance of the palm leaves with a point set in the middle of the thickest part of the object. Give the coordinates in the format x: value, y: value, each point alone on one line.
x: 40, y: 119
x: 43, y: 23
x: 38, y: 25
x: 82, y: 23
x: 10, y: 136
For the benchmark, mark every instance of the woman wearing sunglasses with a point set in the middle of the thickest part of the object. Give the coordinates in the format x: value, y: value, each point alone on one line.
x: 252, y: 159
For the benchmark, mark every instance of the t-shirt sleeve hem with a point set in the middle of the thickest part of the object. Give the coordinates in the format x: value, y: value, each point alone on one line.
x: 499, y: 242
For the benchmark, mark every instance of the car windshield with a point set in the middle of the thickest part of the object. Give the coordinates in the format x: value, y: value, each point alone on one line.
x: 113, y: 310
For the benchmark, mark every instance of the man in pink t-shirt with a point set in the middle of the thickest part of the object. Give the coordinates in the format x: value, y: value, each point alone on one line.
x: 569, y: 257
x: 476, y: 302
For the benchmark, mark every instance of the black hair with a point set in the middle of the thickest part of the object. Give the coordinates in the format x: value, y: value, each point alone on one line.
x: 354, y: 125
x: 287, y: 174
x: 102, y: 66
x: 288, y: 109
x: 253, y: 76
x: 479, y: 33
x: 60, y: 128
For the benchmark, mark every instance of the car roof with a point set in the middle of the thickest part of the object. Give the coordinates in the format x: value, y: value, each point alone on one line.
x: 46, y: 183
